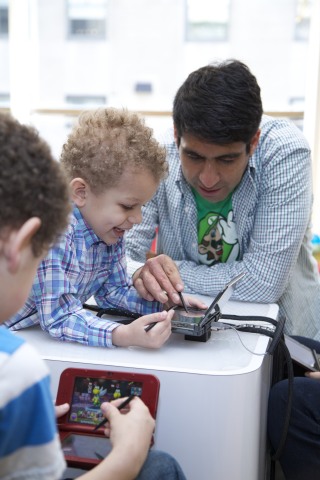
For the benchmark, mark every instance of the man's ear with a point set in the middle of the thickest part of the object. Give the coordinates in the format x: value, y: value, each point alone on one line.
x: 18, y: 240
x: 254, y: 142
x: 176, y: 136
x: 79, y: 191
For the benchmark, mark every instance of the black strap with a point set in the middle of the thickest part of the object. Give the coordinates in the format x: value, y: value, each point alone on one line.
x: 115, y: 311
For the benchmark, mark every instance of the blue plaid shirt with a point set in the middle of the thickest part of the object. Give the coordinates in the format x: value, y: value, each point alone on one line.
x: 78, y: 267
x: 272, y: 209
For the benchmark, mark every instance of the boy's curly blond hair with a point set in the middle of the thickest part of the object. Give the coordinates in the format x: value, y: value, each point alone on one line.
x: 105, y: 142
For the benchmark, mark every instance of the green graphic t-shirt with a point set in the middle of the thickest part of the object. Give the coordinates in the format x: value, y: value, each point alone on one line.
x: 217, y: 234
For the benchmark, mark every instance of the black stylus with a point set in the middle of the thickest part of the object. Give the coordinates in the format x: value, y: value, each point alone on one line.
x: 183, y: 302
x: 122, y: 405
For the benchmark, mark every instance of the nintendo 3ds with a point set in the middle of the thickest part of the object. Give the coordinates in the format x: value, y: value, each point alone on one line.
x: 85, y: 390
x: 196, y: 324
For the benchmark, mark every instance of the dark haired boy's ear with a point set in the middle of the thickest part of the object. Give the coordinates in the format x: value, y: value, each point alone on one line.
x: 79, y: 190
x: 254, y: 142
x: 18, y: 240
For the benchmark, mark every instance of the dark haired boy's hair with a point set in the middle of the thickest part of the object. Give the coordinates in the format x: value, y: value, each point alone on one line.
x: 219, y: 103
x: 31, y: 184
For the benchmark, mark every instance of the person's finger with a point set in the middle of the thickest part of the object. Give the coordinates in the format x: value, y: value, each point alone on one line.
x: 167, y: 274
x: 61, y: 410
x: 141, y: 289
x: 195, y: 302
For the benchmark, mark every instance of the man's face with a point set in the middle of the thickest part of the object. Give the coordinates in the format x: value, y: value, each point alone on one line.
x: 214, y: 170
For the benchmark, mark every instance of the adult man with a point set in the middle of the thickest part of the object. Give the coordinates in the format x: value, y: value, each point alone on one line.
x: 238, y: 199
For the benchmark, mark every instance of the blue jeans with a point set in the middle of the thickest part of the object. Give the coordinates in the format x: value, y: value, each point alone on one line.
x: 300, y: 459
x: 161, y: 466
x: 158, y: 466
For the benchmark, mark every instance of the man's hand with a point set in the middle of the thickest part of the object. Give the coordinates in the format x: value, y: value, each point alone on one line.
x: 158, y: 279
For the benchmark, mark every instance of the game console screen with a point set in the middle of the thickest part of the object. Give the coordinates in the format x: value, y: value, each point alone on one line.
x: 89, y: 393
x: 86, y: 446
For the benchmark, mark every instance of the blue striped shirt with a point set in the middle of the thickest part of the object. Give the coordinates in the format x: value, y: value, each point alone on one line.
x: 78, y: 267
x: 272, y: 210
x: 29, y: 442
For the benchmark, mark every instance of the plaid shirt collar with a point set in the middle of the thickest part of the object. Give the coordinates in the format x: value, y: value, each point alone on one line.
x: 89, y: 236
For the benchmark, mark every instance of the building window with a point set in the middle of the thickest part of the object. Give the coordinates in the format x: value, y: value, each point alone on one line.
x: 87, y: 19
x: 207, y: 20
x: 78, y: 100
x: 302, y: 20
x: 4, y: 18
x: 4, y: 99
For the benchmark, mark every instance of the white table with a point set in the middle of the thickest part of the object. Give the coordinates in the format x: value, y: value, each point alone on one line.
x: 213, y: 396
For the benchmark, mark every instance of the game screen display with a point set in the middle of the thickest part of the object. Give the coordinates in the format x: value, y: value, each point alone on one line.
x: 89, y: 393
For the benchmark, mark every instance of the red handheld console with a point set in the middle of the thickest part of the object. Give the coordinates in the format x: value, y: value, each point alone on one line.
x: 85, y: 390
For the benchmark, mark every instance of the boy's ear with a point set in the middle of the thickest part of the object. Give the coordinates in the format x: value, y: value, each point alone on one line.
x: 79, y: 191
x: 18, y: 240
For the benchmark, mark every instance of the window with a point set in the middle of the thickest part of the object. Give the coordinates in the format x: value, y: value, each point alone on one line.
x: 87, y: 19
x: 207, y: 20
x: 4, y: 99
x: 4, y: 20
x: 302, y: 20
x: 86, y: 100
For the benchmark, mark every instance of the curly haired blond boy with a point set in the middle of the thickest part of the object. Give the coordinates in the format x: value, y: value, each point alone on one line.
x: 114, y: 166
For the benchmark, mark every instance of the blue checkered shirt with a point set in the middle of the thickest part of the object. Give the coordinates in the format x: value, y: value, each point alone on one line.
x: 272, y: 209
x: 78, y: 267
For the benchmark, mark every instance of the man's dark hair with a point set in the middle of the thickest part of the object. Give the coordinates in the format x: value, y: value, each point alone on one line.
x: 31, y: 184
x: 219, y: 103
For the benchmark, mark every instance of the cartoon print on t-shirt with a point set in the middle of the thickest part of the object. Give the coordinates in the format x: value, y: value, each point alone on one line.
x: 218, y: 239
x: 211, y: 244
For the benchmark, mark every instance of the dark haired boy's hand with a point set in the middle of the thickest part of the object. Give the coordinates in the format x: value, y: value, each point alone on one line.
x: 61, y: 410
x: 158, y: 279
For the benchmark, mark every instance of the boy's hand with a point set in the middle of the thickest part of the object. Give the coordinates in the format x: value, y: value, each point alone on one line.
x: 158, y: 279
x: 61, y: 410
x: 135, y: 334
x: 130, y: 433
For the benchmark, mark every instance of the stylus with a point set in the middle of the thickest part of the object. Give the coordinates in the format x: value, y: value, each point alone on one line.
x: 151, y: 325
x: 122, y: 405
x: 183, y: 302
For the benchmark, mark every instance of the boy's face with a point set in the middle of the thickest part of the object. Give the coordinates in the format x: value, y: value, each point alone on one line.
x: 115, y: 211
